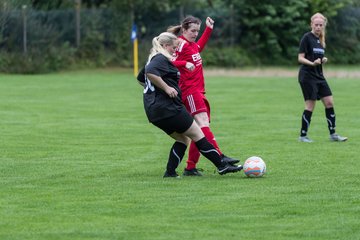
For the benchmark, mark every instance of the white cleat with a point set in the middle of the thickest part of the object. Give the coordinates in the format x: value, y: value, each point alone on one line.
x: 337, y: 138
x: 305, y: 139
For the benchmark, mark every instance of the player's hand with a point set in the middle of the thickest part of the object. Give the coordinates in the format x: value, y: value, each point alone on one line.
x: 324, y: 60
x: 171, y: 92
x: 190, y: 66
x: 317, y: 62
x: 209, y: 22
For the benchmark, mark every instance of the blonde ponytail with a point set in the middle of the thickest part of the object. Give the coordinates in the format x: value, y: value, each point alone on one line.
x: 158, y: 44
x: 322, y: 34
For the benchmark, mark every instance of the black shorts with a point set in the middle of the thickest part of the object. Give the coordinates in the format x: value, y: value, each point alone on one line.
x: 312, y: 88
x: 179, y: 123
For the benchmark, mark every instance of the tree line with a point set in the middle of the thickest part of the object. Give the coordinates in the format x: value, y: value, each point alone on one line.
x: 246, y: 33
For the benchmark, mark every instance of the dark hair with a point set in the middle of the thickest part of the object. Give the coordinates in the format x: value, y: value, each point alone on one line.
x: 185, y: 24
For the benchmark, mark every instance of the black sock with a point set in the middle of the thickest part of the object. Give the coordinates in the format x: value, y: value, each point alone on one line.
x: 305, y: 122
x: 330, y: 117
x: 208, y: 151
x: 175, y: 156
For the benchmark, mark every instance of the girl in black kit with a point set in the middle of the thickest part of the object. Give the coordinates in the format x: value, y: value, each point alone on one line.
x: 164, y: 108
x: 312, y: 81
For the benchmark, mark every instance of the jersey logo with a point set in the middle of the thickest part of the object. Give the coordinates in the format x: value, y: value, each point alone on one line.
x: 318, y: 50
x: 196, y: 57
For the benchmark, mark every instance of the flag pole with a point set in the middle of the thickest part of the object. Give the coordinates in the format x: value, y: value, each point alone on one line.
x: 135, y: 49
x: 136, y: 60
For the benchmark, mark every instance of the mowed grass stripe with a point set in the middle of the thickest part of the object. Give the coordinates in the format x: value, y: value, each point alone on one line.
x: 78, y: 160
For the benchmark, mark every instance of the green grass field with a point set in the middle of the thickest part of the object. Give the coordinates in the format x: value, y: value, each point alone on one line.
x: 78, y: 160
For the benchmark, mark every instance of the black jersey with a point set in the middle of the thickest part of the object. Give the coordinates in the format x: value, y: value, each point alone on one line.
x: 158, y: 105
x: 310, y: 45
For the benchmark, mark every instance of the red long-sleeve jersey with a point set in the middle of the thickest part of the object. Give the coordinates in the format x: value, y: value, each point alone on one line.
x: 191, y: 81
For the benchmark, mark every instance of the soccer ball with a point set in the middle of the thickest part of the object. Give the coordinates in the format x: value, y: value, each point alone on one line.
x: 254, y: 167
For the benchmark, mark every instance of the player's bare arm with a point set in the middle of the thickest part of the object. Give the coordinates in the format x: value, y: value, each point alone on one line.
x: 157, y: 81
x: 303, y: 60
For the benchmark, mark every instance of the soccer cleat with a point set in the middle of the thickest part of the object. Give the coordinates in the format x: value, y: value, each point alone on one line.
x: 337, y: 138
x: 228, y: 168
x: 171, y: 175
x: 192, y: 172
x: 229, y: 160
x: 305, y: 139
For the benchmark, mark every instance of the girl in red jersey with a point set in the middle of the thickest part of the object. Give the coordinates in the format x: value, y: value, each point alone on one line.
x: 192, y: 83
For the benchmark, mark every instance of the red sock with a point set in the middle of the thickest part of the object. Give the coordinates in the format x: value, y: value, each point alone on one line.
x: 194, y: 153
x: 210, y: 137
x: 194, y: 156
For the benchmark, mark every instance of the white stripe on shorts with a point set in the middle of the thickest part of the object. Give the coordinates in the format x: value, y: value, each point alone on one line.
x: 191, y: 103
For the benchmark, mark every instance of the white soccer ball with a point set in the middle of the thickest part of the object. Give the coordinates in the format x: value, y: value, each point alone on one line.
x: 254, y: 167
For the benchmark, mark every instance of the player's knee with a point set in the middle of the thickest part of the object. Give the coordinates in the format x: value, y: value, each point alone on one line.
x: 329, y: 105
x: 202, y: 120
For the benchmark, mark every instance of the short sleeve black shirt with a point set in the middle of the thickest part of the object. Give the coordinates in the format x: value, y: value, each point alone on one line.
x: 158, y: 105
x: 310, y: 45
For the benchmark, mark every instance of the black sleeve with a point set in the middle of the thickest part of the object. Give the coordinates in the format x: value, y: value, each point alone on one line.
x: 141, y: 76
x: 158, y: 65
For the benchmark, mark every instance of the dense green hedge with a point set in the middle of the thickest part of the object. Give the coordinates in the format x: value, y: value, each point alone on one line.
x: 250, y: 34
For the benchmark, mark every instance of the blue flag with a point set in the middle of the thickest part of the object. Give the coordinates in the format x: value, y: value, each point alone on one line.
x: 133, y: 32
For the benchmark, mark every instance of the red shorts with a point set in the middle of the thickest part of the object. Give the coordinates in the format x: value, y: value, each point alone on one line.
x: 196, y: 103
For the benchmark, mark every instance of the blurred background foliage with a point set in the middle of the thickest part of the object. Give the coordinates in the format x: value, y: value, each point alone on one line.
x: 246, y: 33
